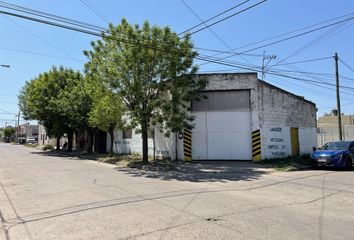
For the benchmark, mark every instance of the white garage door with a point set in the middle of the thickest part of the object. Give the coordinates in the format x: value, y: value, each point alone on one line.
x: 222, y: 136
x: 223, y: 130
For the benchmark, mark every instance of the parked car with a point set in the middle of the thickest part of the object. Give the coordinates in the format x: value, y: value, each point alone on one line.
x: 31, y: 140
x: 334, y: 154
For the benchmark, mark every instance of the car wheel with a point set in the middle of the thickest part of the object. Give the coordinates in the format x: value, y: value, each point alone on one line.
x: 348, y: 163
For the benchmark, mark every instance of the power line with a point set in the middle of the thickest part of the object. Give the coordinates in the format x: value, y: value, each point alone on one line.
x: 211, y: 30
x: 4, y: 111
x: 346, y: 64
x: 299, y: 35
x: 304, y: 61
x: 97, y: 34
x: 218, y: 15
x: 329, y: 33
x: 228, y: 52
x: 225, y: 18
x: 288, y: 33
x: 81, y: 30
x: 50, y: 16
x: 294, y: 31
x: 294, y: 36
x: 94, y: 10
x: 38, y: 54
x: 53, y: 24
x: 208, y: 59
x: 41, y: 39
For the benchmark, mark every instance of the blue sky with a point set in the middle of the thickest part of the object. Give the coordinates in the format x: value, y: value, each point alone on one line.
x: 269, y: 19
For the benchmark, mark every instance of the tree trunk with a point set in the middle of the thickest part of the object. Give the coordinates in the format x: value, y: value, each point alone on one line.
x: 90, y: 141
x: 111, y: 133
x: 70, y: 140
x: 144, y: 133
x: 58, y: 143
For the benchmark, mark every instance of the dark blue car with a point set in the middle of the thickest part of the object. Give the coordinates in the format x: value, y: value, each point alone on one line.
x: 334, y: 154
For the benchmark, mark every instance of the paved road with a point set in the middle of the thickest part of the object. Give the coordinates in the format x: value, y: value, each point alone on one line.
x: 50, y: 197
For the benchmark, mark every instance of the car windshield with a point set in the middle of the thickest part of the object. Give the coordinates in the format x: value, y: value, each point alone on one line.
x: 336, y: 146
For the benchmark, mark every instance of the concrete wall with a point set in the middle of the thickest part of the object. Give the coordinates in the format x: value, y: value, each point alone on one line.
x: 280, y: 111
x: 43, y: 138
x: 165, y: 146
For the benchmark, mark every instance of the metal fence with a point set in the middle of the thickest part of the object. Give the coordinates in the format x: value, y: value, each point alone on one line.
x: 330, y: 132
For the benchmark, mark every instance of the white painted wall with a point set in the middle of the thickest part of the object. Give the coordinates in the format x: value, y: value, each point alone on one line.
x: 275, y: 142
x: 307, y: 139
x: 164, y: 145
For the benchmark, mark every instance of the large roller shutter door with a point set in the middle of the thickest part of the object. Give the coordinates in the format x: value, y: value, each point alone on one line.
x: 222, y: 127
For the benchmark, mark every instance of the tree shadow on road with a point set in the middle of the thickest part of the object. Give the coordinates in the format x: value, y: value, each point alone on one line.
x: 70, y: 155
x: 209, y: 171
x: 201, y: 171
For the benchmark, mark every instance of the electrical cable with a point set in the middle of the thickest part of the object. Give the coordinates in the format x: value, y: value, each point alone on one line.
x: 218, y: 15
x: 94, y: 10
x: 291, y: 32
x: 223, y: 19
x: 203, y: 59
x: 41, y: 39
x: 304, y: 61
x: 211, y: 30
x: 50, y: 16
x: 269, y: 72
x: 299, y: 35
x: 346, y: 64
x: 292, y: 37
x: 38, y: 54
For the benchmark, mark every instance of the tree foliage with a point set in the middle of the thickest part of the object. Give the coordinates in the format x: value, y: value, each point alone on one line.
x: 151, y: 69
x: 56, y: 99
x: 107, y: 110
x: 9, y: 132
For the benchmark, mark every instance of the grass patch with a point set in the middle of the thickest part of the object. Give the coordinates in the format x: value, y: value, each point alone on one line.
x: 289, y: 163
x: 48, y: 147
x: 132, y: 161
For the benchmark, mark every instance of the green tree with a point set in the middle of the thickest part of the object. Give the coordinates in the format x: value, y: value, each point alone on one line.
x: 75, y: 103
x: 9, y: 132
x: 152, y: 69
x: 107, y: 112
x: 52, y: 99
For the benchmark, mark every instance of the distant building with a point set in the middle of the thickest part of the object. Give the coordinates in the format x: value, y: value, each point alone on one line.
x: 27, y: 131
x: 327, y: 128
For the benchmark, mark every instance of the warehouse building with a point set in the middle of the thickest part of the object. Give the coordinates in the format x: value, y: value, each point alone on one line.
x: 242, y: 118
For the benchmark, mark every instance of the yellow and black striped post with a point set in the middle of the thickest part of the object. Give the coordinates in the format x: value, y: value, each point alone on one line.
x: 256, y: 145
x: 187, y: 145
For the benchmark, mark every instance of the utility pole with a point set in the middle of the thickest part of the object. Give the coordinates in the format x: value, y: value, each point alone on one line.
x: 265, y: 57
x: 18, y: 126
x: 338, y: 99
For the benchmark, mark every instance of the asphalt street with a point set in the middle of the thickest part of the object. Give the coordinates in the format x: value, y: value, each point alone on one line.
x: 54, y: 197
